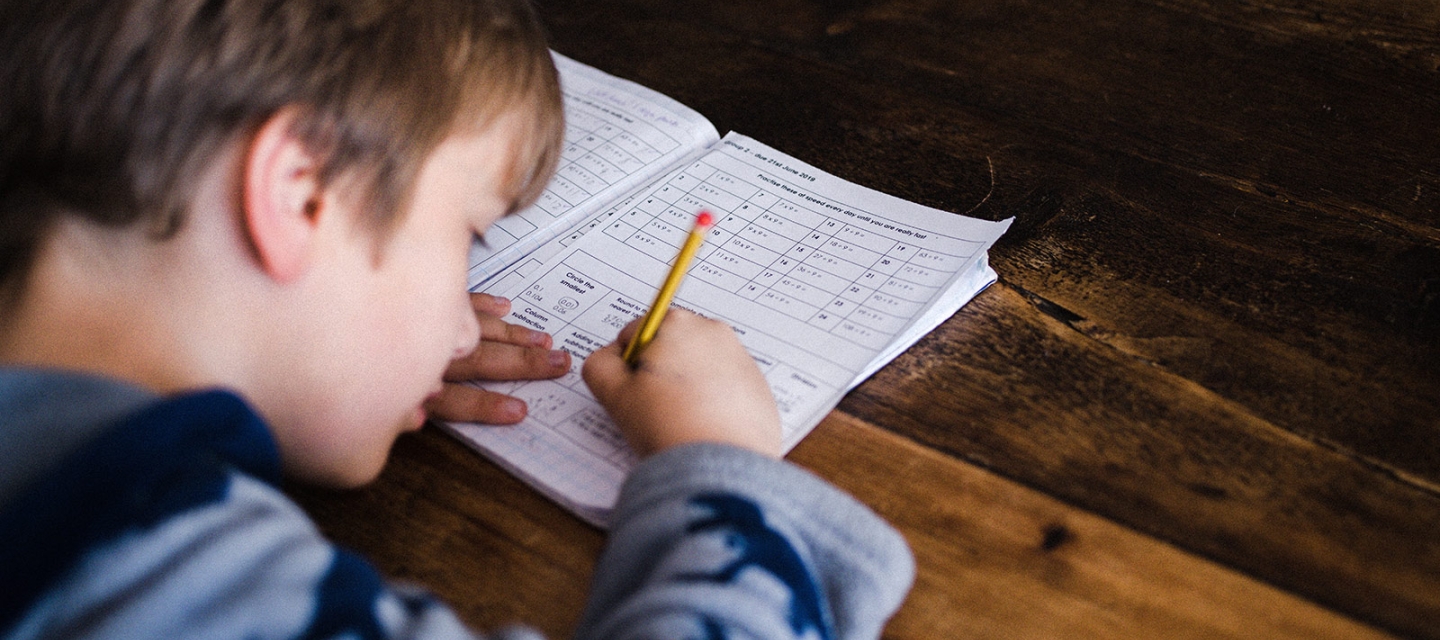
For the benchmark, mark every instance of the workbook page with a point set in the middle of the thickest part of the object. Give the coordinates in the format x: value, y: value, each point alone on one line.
x: 618, y: 135
x: 820, y: 278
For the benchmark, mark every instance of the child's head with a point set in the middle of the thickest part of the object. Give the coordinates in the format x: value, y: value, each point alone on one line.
x: 117, y: 110
x: 113, y: 107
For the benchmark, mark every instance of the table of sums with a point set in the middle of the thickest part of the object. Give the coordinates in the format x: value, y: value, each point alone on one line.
x: 596, y: 155
x: 853, y: 282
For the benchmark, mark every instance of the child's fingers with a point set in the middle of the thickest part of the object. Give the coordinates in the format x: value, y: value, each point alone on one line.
x: 464, y: 403
x: 627, y: 332
x: 605, y: 370
x: 695, y: 383
x: 490, y: 309
x: 493, y: 329
x: 506, y: 351
x: 486, y: 304
x: 501, y: 361
x: 674, y: 317
x: 609, y: 368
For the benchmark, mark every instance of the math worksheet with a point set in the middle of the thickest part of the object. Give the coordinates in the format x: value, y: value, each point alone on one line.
x: 823, y: 280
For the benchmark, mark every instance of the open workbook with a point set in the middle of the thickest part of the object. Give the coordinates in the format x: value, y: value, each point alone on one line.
x: 824, y: 280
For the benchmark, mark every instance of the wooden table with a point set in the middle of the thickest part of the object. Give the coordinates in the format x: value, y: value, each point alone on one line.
x: 1202, y: 400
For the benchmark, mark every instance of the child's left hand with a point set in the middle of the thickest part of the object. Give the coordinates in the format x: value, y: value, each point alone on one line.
x: 505, y: 352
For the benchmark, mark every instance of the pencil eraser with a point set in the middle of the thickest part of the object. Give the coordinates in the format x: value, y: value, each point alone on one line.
x: 704, y: 219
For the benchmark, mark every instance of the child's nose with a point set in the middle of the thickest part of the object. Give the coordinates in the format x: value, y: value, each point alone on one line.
x: 468, y: 337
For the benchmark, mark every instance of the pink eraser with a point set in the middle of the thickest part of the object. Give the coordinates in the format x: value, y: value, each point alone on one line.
x: 704, y: 219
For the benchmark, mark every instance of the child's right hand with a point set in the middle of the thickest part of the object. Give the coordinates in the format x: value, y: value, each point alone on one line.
x: 693, y: 383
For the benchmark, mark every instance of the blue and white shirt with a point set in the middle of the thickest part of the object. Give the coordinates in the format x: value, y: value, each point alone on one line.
x: 126, y: 515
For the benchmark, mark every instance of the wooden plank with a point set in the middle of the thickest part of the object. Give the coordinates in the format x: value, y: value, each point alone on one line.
x: 995, y: 559
x: 1189, y: 219
x: 1267, y: 89
x: 1186, y: 226
x: 1008, y: 387
x: 999, y: 560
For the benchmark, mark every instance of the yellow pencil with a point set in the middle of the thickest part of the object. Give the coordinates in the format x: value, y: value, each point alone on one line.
x: 651, y: 323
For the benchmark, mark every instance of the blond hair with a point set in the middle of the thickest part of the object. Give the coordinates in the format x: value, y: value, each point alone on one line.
x: 117, y: 106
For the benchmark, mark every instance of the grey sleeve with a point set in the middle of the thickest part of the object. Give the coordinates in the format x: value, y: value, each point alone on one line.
x: 707, y: 542
x: 248, y: 566
x: 711, y: 541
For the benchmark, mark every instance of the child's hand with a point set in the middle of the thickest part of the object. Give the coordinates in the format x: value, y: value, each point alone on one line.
x: 693, y: 383
x: 505, y: 352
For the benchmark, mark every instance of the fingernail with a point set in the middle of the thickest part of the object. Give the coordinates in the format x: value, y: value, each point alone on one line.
x: 514, y: 408
x: 539, y: 339
x: 559, y: 358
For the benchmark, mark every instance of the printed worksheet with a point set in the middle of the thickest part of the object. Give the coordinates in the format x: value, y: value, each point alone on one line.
x: 823, y: 280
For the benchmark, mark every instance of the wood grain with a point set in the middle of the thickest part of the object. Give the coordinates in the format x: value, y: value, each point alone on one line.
x: 999, y: 560
x: 1139, y: 206
x: 995, y: 559
x: 1055, y: 409
x: 1228, y: 194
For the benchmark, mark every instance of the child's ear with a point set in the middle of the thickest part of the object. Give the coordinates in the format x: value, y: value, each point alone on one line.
x: 281, y: 197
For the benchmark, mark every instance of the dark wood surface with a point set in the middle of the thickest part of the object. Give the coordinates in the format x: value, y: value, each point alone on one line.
x: 1203, y: 399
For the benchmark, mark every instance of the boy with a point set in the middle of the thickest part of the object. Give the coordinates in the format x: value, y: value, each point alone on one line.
x: 234, y: 239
